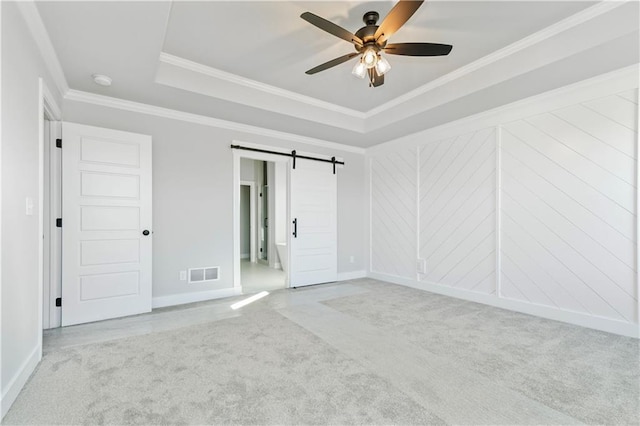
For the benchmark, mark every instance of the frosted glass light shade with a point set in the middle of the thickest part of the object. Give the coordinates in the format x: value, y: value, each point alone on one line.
x: 370, y: 58
x: 359, y: 70
x: 382, y: 66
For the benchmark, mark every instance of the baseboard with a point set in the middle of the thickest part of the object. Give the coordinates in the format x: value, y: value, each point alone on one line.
x: 570, y: 317
x: 18, y: 381
x: 198, y: 296
x: 351, y: 275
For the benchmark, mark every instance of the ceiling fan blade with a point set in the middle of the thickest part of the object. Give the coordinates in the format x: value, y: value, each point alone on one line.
x: 331, y: 63
x: 418, y: 49
x: 375, y: 78
x: 331, y: 28
x: 396, y: 18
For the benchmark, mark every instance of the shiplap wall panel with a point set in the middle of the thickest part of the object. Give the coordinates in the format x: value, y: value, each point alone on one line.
x: 605, y: 183
x: 597, y: 203
x: 568, y: 208
x: 572, y: 234
x: 537, y: 276
x: 608, y: 160
x: 617, y: 109
x: 457, y: 211
x: 530, y: 291
x: 539, y: 257
x: 615, y: 242
x: 565, y: 211
x: 393, y: 214
x: 630, y: 95
x: 576, y: 259
x: 608, y: 132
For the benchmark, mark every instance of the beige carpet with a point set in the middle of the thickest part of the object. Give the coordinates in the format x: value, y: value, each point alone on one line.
x: 386, y: 355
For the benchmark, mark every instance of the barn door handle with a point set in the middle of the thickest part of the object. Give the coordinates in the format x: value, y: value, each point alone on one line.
x: 295, y: 228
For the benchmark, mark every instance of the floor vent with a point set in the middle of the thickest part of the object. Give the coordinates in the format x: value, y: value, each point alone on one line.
x: 201, y: 275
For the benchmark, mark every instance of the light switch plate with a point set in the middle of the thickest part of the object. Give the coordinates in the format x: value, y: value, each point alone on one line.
x: 421, y: 265
x: 29, y: 206
x: 183, y: 275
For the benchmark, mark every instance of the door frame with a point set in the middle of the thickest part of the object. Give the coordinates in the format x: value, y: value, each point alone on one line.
x: 252, y: 219
x: 48, y: 280
x: 237, y: 155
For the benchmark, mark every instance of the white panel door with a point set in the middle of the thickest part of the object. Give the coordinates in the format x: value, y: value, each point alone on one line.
x: 106, y: 224
x: 314, y: 239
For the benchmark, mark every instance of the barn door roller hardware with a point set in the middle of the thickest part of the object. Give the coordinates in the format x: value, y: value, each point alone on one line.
x: 292, y: 154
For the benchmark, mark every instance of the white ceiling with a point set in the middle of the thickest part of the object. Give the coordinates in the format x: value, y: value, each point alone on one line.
x: 270, y: 43
x: 250, y: 59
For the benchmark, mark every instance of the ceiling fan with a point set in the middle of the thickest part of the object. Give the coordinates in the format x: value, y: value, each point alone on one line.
x: 371, y: 40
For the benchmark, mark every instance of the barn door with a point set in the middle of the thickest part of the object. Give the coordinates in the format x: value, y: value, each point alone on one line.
x: 106, y: 224
x: 314, y: 240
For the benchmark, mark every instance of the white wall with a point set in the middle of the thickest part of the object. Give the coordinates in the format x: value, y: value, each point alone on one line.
x: 192, y: 195
x: 531, y: 207
x: 22, y: 66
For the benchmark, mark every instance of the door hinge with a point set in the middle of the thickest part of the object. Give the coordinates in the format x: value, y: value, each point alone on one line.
x: 58, y: 301
x: 58, y: 143
x: 59, y: 222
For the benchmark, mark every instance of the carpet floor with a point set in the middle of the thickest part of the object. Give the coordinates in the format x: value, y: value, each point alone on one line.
x: 361, y: 352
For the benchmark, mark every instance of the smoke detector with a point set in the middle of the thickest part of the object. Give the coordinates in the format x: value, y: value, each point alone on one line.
x: 102, y: 80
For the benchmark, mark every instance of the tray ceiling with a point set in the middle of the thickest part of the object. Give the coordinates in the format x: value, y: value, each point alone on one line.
x: 246, y: 60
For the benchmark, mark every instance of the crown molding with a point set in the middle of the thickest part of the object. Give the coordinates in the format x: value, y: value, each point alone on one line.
x: 221, y: 83
x: 177, y: 61
x: 197, y: 78
x: 131, y: 106
x: 287, y: 102
x: 559, y: 27
x: 40, y: 35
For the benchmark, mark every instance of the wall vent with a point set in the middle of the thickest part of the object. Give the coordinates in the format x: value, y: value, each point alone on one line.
x: 201, y: 275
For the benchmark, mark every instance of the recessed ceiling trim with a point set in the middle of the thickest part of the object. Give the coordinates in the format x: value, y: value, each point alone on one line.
x: 592, y: 88
x: 40, y: 35
x: 197, y: 78
x: 361, y: 122
x: 572, y: 40
x: 122, y: 104
x: 544, y: 34
x: 396, y: 109
x: 253, y: 84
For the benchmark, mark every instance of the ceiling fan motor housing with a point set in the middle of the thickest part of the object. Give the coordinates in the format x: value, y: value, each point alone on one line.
x: 366, y: 33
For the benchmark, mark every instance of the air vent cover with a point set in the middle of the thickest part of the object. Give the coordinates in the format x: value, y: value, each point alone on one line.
x: 200, y: 275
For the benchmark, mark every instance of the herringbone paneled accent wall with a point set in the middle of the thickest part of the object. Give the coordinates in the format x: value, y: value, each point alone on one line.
x: 549, y: 199
x: 457, y: 211
x: 568, y: 208
x: 393, y: 214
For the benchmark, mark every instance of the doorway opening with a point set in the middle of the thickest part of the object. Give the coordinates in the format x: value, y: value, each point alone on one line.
x: 303, y: 239
x: 263, y: 225
x: 49, y: 204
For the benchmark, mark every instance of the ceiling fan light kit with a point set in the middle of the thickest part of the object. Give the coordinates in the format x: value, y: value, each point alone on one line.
x: 359, y: 70
x: 382, y: 66
x: 371, y: 40
x: 370, y: 57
